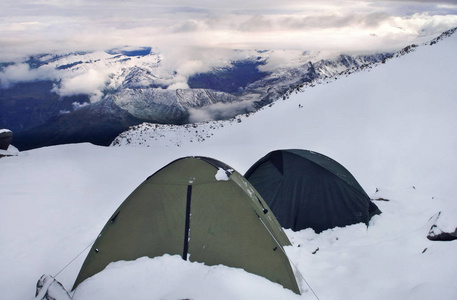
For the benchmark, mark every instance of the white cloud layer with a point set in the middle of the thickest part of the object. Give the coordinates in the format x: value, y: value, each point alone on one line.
x: 90, y: 83
x: 36, y: 26
x: 21, y: 72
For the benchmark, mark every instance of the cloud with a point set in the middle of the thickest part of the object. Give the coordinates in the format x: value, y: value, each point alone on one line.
x: 219, y: 111
x: 282, y: 58
x: 303, y: 22
x: 425, y: 1
x: 12, y: 74
x: 15, y: 73
x: 31, y: 27
x: 190, y: 26
x: 91, y: 82
x: 84, y: 81
x: 188, y: 60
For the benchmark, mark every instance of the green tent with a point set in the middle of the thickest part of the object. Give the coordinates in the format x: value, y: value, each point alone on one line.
x: 306, y: 189
x: 202, y: 210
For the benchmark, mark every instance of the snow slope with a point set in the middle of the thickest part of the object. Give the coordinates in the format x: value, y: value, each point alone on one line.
x: 392, y: 127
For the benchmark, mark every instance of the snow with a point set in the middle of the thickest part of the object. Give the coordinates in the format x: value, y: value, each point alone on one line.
x: 152, y: 278
x: 49, y: 288
x: 221, y: 175
x: 392, y: 127
x: 12, y: 151
x: 4, y: 131
x: 444, y: 222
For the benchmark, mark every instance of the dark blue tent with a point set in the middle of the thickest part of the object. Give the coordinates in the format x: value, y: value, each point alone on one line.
x: 305, y: 189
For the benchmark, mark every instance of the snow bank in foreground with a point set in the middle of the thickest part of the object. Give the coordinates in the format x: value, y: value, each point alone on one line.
x: 170, y: 277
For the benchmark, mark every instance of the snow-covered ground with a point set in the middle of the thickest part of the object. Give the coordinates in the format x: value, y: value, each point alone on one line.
x: 393, y: 127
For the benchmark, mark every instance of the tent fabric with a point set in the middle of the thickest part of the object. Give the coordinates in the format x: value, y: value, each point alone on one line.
x: 186, y: 209
x: 306, y: 189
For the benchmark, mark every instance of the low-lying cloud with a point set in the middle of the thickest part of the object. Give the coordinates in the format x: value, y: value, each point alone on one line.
x: 219, y: 111
x: 67, y: 83
x: 21, y: 72
x: 91, y: 82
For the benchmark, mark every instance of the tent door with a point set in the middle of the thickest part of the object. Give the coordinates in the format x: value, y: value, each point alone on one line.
x: 187, y: 227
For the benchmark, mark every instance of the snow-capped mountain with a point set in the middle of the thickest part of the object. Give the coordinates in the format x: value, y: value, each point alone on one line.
x: 322, y: 72
x: 148, y: 88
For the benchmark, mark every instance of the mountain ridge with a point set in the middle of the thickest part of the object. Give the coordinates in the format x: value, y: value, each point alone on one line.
x: 179, y: 135
x: 145, y: 95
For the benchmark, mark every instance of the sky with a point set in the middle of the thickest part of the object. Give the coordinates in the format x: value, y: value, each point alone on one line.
x: 52, y: 26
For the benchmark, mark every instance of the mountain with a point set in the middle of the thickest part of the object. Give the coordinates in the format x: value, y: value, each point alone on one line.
x: 29, y: 104
x: 140, y: 82
x: 151, y: 135
x: 99, y: 123
x: 392, y: 126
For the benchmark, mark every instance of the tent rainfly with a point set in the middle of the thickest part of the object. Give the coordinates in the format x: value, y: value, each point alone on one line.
x: 204, y: 211
x: 306, y: 189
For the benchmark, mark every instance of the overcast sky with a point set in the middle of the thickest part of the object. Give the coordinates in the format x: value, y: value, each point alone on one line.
x: 38, y: 26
